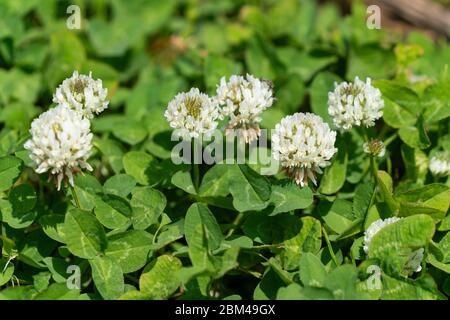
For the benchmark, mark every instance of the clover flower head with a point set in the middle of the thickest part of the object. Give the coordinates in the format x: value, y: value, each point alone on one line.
x: 243, y: 99
x: 193, y: 114
x: 440, y: 164
x: 83, y: 94
x: 375, y: 148
x: 374, y: 228
x: 354, y: 104
x: 304, y: 144
x: 60, y: 143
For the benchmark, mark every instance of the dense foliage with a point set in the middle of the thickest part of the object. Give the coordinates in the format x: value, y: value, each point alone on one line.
x: 141, y: 227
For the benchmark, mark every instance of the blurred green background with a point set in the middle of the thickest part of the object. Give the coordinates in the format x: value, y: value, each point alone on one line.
x: 146, y: 51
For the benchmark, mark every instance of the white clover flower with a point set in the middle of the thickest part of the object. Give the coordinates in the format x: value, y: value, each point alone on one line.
x: 82, y: 94
x: 375, y: 148
x: 303, y: 144
x: 374, y: 228
x: 243, y: 99
x: 440, y: 164
x: 60, y: 143
x: 193, y: 114
x: 355, y: 104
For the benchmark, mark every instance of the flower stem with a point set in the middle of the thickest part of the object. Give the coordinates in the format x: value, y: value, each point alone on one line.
x: 196, y: 175
x: 374, y: 167
x: 195, y: 166
x: 330, y: 248
x: 373, y: 163
x: 75, y: 197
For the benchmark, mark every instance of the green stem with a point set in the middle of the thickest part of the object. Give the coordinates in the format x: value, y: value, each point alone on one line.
x: 389, y: 166
x: 330, y: 248
x: 269, y: 246
x: 365, y: 134
x: 195, y: 167
x: 390, y: 139
x: 75, y: 197
x: 236, y: 223
x: 373, y: 163
x: 196, y: 174
x: 374, y: 167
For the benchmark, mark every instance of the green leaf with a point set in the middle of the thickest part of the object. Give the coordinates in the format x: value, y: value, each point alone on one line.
x: 334, y: 176
x: 183, y: 180
x: 6, y: 271
x: 19, y: 86
x: 402, y: 105
x: 129, y: 249
x: 250, y: 191
x: 10, y: 168
x: 58, y: 268
x: 218, y: 66
x: 396, y: 116
x: 416, y: 163
x: 261, y: 60
x: 23, y: 198
x: 415, y: 136
x: 120, y: 185
x: 136, y: 164
x: 108, y: 277
x: 364, y: 194
x: 130, y: 131
x: 291, y: 94
x: 290, y: 197
x: 432, y: 199
x: 169, y: 233
x: 215, y: 182
x: 403, y: 96
x: 86, y: 187
x: 394, y: 244
x: 370, y: 60
x: 444, y: 245
x: 112, y: 211
x: 228, y: 262
x: 84, y: 235
x: 436, y: 103
x: 296, y: 292
x: 269, y: 286
x: 159, y: 279
x: 198, y: 250
x: 312, y: 271
x: 304, y: 63
x: 406, y: 289
x: 53, y: 226
x: 58, y: 291
x: 35, y: 246
x: 67, y: 54
x: 113, y: 153
x: 17, y: 293
x: 134, y: 295
x: 342, y: 283
x: 321, y: 85
x: 199, y: 214
x: 41, y: 280
x: 338, y: 215
x: 148, y: 204
x: 308, y: 239
x: 386, y: 189
x: 13, y: 218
